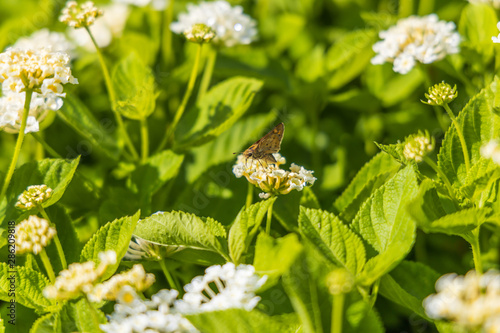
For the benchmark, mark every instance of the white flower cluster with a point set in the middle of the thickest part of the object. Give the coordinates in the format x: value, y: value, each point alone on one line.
x: 236, y: 288
x: 34, y: 196
x: 156, y: 4
x: 270, y: 178
x: 80, y: 16
x: 137, y: 278
x: 222, y: 287
x: 79, y: 278
x: 45, y: 39
x: 417, y: 147
x: 230, y: 24
x: 33, y: 234
x: 471, y: 301
x: 423, y: 39
x: 110, y: 25
x: 491, y: 150
x: 132, y: 314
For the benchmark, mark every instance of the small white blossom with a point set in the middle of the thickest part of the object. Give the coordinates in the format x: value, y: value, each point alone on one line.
x: 33, y: 234
x: 45, y: 39
x: 230, y: 24
x: 423, y: 39
x: 104, y: 29
x: 156, y: 4
x: 34, y: 196
x: 418, y: 146
x: 471, y: 301
x: 270, y: 178
x: 234, y: 287
x: 79, y: 16
x: 491, y: 150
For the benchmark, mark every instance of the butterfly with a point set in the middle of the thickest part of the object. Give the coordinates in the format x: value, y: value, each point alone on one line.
x: 270, y: 143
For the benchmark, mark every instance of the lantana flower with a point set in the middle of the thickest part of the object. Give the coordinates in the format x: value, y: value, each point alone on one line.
x: 491, y: 150
x: 80, y: 16
x: 416, y: 39
x: 230, y: 24
x: 270, y: 178
x: 45, y: 39
x: 418, y: 146
x: 471, y: 301
x: 34, y: 196
x: 156, y: 4
x: 33, y: 235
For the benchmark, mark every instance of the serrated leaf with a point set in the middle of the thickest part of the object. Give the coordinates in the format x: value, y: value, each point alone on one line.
x: 479, y: 182
x: 245, y: 227
x: 333, y: 239
x: 50, y: 323
x: 216, y: 111
x: 309, y: 199
x: 98, y: 133
x: 222, y: 149
x: 385, y: 223
x: 395, y: 150
x: 114, y: 236
x: 479, y: 125
x: 408, y: 284
x: 241, y: 321
x: 149, y: 177
x: 184, y: 229
x: 135, y: 87
x: 85, y: 318
x: 27, y: 287
x: 370, y: 177
x: 273, y: 257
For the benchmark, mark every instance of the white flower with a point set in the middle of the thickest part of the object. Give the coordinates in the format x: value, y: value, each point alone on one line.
x: 418, y: 146
x: 270, y: 178
x: 471, y: 301
x: 231, y: 25
x: 423, y: 39
x: 157, y: 4
x: 79, y: 16
x: 234, y: 287
x: 491, y: 150
x: 45, y: 39
x: 104, y: 29
x: 33, y: 234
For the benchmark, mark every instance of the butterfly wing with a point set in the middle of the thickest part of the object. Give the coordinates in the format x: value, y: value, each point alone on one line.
x: 271, y: 142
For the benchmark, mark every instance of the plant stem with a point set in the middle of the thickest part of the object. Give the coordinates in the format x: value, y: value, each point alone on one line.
x: 269, y: 218
x: 60, y: 251
x: 405, y: 8
x: 167, y: 274
x: 144, y: 140
x: 47, y: 265
x: 168, y: 13
x: 207, y: 73
x: 337, y: 311
x: 112, y: 97
x: 437, y: 110
x: 476, y: 251
x: 180, y: 110
x: 374, y: 294
x: 249, y: 195
x: 441, y: 174
x: 19, y: 142
x: 460, y: 136
x: 425, y: 7
x: 45, y: 145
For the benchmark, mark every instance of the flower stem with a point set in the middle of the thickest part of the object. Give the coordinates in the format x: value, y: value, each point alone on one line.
x: 460, y: 136
x: 337, y: 311
x: 47, y: 265
x: 249, y: 195
x: 207, y: 73
x: 60, y: 251
x: 476, y: 251
x: 168, y: 55
x: 441, y: 174
x: 269, y: 218
x: 112, y: 97
x: 144, y: 140
x: 167, y: 274
x: 19, y: 142
x: 180, y: 110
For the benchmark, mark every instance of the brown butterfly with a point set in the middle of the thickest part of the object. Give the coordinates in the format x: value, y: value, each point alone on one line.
x: 270, y: 143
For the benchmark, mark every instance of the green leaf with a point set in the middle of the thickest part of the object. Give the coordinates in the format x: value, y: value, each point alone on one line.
x: 85, y: 318
x: 152, y: 175
x: 97, y: 133
x: 273, y: 257
x: 135, y: 87
x: 310, y: 66
x: 481, y: 179
x: 115, y: 236
x: 333, y: 239
x: 479, y: 125
x: 370, y: 177
x: 309, y: 199
x: 27, y: 286
x: 50, y: 323
x: 222, y: 149
x: 216, y: 111
x: 245, y: 227
x: 408, y: 284
x: 384, y: 223
x: 242, y: 321
x: 179, y: 228
x: 349, y: 56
